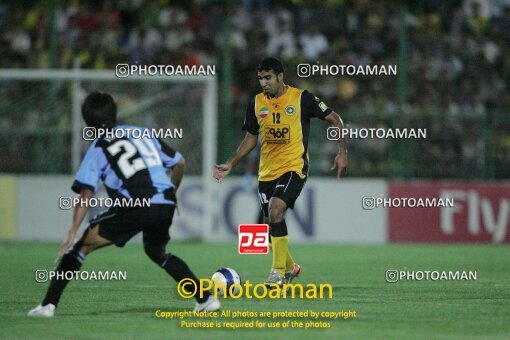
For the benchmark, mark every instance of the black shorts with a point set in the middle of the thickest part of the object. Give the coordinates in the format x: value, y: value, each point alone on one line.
x: 119, y: 225
x: 286, y: 187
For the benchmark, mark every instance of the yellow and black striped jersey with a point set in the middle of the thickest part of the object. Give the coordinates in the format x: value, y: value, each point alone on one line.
x: 283, y: 124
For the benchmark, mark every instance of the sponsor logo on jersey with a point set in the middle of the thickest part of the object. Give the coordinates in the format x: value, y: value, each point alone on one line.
x: 289, y: 110
x: 277, y: 134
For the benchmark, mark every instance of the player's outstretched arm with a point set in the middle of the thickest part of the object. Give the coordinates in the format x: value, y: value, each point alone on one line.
x: 80, y: 211
x: 340, y: 162
x: 248, y: 143
x: 176, y: 178
x: 178, y: 173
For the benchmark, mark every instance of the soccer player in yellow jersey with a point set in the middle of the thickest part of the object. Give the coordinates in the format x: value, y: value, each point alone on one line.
x: 281, y: 116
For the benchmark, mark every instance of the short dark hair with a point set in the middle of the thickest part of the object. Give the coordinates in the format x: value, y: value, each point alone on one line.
x: 99, y: 110
x: 269, y: 64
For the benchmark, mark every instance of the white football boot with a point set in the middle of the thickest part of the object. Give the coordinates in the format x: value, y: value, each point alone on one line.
x: 212, y: 304
x: 41, y: 311
x: 290, y: 275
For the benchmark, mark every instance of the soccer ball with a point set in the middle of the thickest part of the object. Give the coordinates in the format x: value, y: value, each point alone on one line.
x: 226, y: 277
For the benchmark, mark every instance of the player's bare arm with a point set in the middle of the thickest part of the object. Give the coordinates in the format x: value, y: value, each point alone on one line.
x: 340, y: 162
x: 248, y: 143
x: 176, y: 178
x: 178, y: 173
x: 80, y: 211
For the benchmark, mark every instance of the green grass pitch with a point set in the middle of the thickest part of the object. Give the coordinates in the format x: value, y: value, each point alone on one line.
x: 403, y: 310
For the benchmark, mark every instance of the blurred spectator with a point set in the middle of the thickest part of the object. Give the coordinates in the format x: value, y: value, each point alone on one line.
x: 313, y: 43
x: 456, y: 57
x: 282, y: 42
x: 477, y: 22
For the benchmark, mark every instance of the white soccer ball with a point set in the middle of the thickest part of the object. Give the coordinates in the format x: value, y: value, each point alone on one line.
x: 226, y: 277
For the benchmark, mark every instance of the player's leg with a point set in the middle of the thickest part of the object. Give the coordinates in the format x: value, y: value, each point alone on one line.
x: 268, y: 207
x: 287, y: 190
x: 115, y: 226
x: 279, y: 234
x: 155, y: 238
x: 290, y: 265
x: 70, y: 262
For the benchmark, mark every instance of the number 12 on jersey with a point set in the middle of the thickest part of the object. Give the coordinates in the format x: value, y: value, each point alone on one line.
x: 276, y: 118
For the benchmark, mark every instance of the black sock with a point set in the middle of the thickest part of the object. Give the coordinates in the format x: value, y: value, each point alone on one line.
x: 179, y: 270
x: 70, y: 262
x: 278, y: 229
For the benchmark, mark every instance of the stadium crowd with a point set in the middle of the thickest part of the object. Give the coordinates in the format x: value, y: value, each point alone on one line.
x: 458, y: 75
